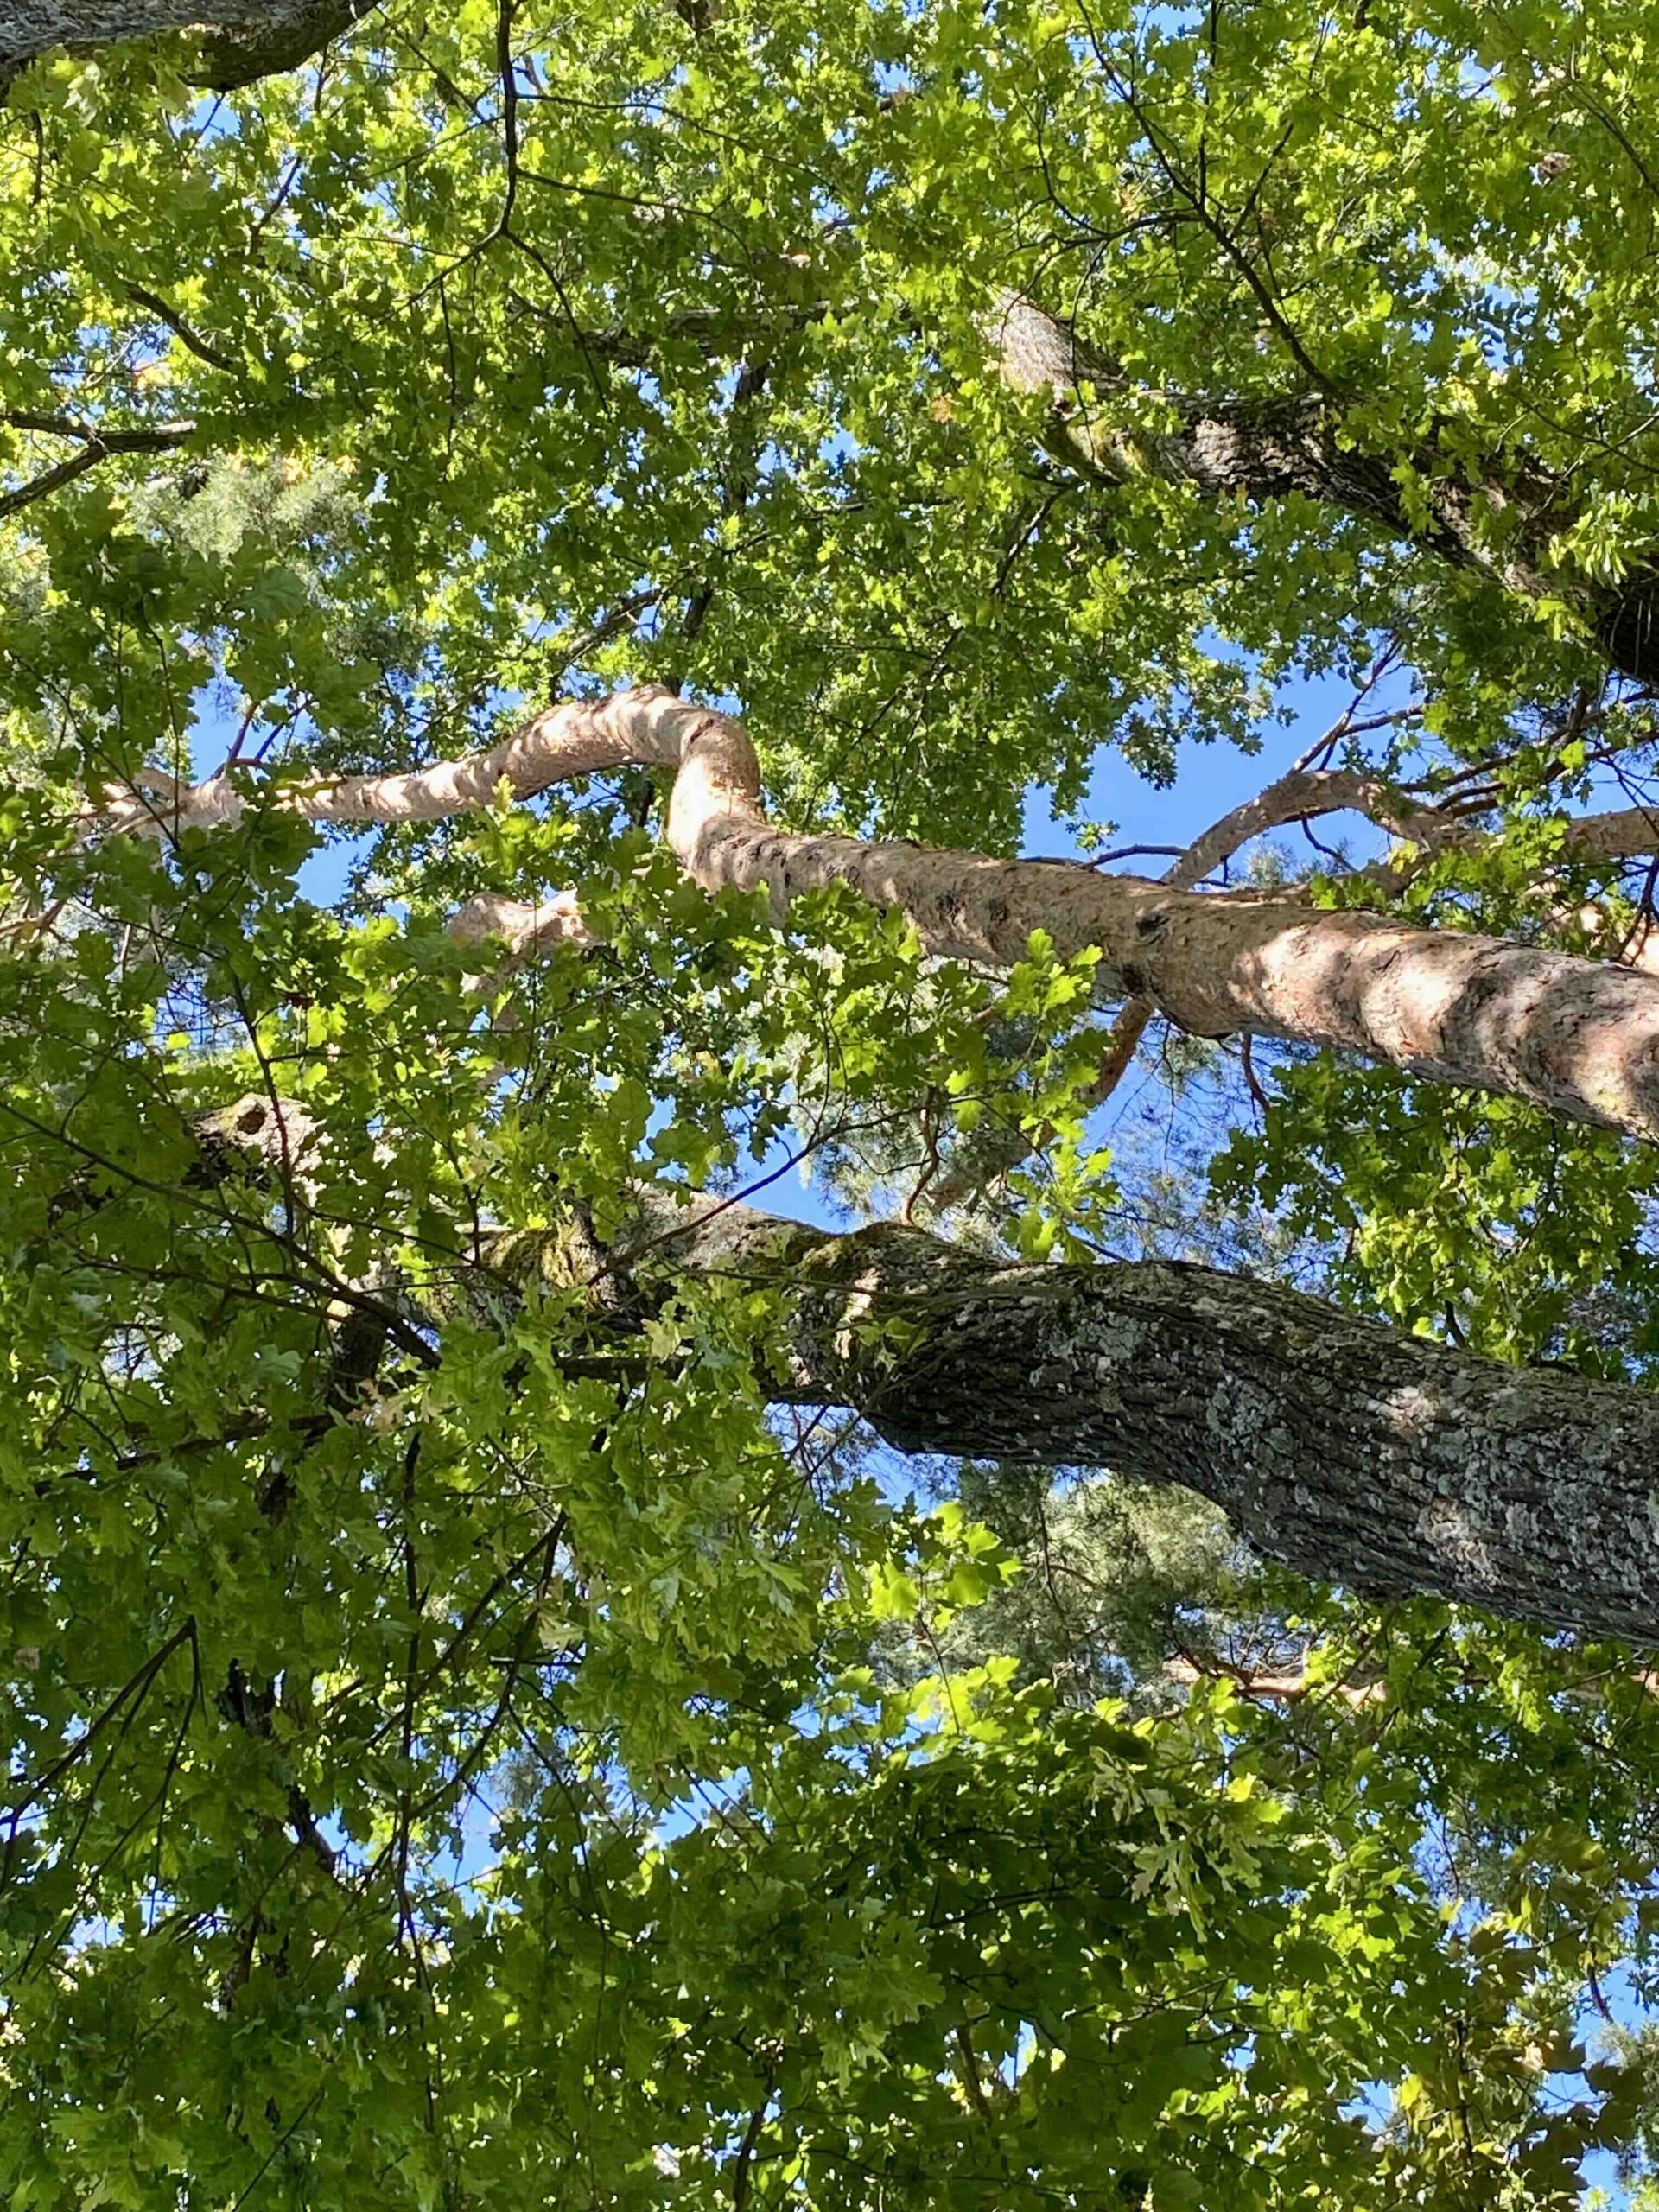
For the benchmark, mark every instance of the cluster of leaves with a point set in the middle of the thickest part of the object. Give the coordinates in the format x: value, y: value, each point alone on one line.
x: 515, y: 359
x: 390, y: 1759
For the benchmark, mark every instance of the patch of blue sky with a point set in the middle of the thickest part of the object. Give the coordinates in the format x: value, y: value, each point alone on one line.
x: 1210, y: 780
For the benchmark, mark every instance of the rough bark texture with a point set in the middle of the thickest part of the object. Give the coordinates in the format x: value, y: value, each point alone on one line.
x: 1264, y: 449
x: 1577, y: 1037
x: 1355, y: 1454
x: 244, y: 39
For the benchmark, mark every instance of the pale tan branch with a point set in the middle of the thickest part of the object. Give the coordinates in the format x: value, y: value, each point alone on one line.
x: 1279, y: 1689
x: 1300, y: 791
x: 565, y: 742
x: 526, y: 930
x: 1574, y: 1036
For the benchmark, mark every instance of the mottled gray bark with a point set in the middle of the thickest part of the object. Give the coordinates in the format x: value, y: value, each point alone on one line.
x: 1262, y: 449
x: 243, y: 41
x: 1354, y: 1453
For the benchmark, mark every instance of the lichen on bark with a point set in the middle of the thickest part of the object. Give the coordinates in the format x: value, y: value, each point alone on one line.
x: 1358, y: 1455
x: 241, y: 40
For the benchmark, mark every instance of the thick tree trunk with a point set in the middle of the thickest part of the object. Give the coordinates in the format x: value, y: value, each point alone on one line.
x: 1579, y: 1038
x: 1262, y: 450
x: 1354, y: 1453
x: 244, y: 40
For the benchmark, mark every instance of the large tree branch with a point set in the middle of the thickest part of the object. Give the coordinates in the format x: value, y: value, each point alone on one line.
x: 1304, y: 792
x: 1573, y: 1036
x: 1264, y: 449
x: 1288, y: 799
x: 1425, y: 827
x: 1355, y: 1453
x: 242, y: 41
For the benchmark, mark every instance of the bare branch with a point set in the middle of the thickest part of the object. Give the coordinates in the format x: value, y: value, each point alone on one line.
x: 1573, y: 1036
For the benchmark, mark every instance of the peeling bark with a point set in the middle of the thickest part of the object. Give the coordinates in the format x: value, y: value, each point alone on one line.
x: 1577, y: 1037
x: 1355, y: 1454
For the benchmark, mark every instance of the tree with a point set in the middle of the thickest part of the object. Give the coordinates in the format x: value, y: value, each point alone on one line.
x: 479, y: 1733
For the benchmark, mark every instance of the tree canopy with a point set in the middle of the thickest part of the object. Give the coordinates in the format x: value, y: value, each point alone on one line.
x: 715, y: 1492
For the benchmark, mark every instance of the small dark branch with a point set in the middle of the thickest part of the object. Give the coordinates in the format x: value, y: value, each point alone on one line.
x: 67, y: 426
x: 250, y: 1705
x: 964, y: 2040
x: 1318, y: 843
x: 411, y: 1671
x: 303, y: 1820
x: 136, y: 1689
x: 96, y: 445
x: 548, y: 1547
x: 737, y: 489
x: 190, y: 340
x: 710, y: 330
x: 1199, y: 202
x: 192, y: 1704
x: 1133, y: 853
x: 505, y: 64
x: 1247, y: 1065
x: 261, y: 223
x: 574, y: 649
x: 534, y: 253
x: 280, y: 2144
x: 51, y: 426
x: 743, y: 2165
